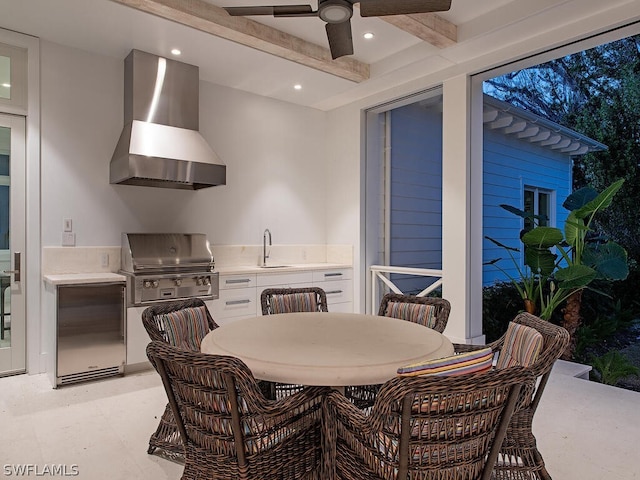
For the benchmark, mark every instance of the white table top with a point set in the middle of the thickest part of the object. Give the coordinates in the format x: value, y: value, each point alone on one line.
x: 331, y: 349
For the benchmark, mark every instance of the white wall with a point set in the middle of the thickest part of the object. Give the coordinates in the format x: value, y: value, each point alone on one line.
x: 274, y: 152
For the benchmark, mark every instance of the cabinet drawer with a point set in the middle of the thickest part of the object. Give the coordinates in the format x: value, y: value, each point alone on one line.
x: 284, y: 279
x: 338, y: 292
x: 237, y: 281
x: 332, y: 275
x: 235, y: 302
x: 345, y: 307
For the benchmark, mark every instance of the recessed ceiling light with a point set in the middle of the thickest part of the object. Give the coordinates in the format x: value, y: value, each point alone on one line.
x: 368, y: 35
x: 297, y: 86
x: 175, y: 51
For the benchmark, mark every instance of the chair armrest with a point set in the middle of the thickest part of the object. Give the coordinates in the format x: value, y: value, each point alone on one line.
x: 464, y: 347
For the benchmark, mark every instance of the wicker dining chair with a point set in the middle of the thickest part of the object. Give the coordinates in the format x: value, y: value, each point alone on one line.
x: 173, y: 323
x: 432, y: 312
x: 422, y: 427
x: 291, y: 300
x: 229, y: 429
x: 519, y: 456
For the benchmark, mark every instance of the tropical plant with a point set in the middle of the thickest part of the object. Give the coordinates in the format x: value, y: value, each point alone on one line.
x: 549, y: 279
x: 612, y: 366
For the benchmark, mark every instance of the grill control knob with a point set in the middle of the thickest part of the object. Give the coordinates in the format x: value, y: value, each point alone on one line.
x: 198, y: 281
x: 206, y: 281
x: 178, y: 282
x: 155, y: 283
x: 146, y: 284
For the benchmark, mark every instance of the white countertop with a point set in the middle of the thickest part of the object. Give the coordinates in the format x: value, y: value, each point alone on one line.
x: 104, y: 277
x: 80, y: 278
x: 277, y: 267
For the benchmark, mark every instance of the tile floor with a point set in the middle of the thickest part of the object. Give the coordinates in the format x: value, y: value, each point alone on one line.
x: 585, y: 431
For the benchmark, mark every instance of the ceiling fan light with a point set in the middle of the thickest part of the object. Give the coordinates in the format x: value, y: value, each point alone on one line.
x: 335, y: 11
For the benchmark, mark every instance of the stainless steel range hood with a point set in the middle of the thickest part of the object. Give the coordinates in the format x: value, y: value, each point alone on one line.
x: 160, y: 145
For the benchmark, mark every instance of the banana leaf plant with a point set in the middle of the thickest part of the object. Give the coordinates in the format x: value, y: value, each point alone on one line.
x: 559, y: 265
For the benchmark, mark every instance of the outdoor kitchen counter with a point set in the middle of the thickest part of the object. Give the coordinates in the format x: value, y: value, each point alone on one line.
x: 83, y: 278
x: 240, y: 269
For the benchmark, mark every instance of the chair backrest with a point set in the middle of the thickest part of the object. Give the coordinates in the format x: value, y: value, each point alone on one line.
x: 431, y: 312
x: 229, y: 428
x: 447, y: 427
x: 179, y: 323
x: 554, y: 341
x: 291, y: 300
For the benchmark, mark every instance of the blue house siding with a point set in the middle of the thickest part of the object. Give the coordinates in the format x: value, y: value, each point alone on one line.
x: 509, y: 165
x: 513, y: 158
x: 416, y: 193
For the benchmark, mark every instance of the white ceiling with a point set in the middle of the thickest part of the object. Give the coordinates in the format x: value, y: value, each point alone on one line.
x: 109, y: 28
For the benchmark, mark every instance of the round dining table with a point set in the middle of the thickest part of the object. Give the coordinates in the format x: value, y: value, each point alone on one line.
x: 326, y: 349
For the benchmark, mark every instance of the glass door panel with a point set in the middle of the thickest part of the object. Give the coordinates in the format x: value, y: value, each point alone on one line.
x: 12, y: 242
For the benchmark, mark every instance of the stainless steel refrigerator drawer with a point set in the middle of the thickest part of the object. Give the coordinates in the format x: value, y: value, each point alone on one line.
x: 90, y: 331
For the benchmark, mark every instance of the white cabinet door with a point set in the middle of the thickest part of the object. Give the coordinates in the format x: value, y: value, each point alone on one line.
x: 338, y: 292
x: 338, y: 285
x: 137, y: 337
x: 234, y: 303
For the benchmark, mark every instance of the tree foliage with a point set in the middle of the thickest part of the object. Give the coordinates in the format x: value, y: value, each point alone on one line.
x: 597, y: 93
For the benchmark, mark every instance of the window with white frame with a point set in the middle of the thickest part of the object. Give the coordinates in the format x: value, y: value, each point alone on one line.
x: 537, y: 202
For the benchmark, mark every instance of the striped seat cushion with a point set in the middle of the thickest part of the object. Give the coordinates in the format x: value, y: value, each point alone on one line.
x: 470, y: 362
x: 412, y: 312
x: 522, y: 345
x: 185, y: 328
x: 294, y: 302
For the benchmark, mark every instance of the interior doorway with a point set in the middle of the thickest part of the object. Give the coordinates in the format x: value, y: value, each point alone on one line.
x: 12, y: 244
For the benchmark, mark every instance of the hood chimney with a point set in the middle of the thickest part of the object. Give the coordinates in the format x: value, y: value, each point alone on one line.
x: 160, y: 145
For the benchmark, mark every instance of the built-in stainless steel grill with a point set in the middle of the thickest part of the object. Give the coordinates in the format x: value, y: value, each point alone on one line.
x: 167, y: 266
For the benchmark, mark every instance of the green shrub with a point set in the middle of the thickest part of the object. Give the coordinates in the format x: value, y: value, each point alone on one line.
x: 612, y: 366
x: 501, y: 302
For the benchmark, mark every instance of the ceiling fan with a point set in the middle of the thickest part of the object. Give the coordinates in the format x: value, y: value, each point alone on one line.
x: 337, y: 15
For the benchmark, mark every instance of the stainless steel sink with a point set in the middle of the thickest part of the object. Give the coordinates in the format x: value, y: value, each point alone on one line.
x: 274, y: 266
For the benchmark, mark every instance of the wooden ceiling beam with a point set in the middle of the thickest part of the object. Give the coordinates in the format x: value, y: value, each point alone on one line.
x: 429, y: 27
x: 216, y: 21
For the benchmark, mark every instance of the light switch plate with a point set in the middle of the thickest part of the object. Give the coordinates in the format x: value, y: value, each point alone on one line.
x: 67, y: 225
x: 68, y: 239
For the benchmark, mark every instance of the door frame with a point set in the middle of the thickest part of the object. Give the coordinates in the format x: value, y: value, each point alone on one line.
x: 13, y: 358
x: 32, y: 283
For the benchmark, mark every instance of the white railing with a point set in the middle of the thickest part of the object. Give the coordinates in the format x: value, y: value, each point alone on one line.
x: 379, y: 272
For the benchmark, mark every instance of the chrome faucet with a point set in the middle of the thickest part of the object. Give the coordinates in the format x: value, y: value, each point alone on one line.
x: 264, y: 246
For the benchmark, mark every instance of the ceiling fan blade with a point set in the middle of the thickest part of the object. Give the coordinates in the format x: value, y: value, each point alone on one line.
x: 380, y: 8
x: 275, y: 10
x: 340, y: 40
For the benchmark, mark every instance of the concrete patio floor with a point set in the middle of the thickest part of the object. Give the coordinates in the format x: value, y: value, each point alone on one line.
x: 100, y: 429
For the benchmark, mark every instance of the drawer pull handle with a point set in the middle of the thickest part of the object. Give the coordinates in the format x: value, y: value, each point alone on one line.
x: 240, y: 280
x: 333, y: 292
x: 336, y: 274
x: 237, y: 302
